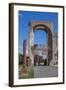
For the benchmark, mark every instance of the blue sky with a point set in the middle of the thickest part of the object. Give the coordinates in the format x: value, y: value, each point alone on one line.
x: 24, y: 18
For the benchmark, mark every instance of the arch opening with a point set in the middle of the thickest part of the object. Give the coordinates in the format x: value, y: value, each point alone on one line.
x: 40, y: 47
x: 40, y: 37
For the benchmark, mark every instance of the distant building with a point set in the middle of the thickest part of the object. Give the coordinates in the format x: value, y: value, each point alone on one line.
x: 41, y: 51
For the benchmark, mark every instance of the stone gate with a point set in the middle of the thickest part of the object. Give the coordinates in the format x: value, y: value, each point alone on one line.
x: 48, y: 28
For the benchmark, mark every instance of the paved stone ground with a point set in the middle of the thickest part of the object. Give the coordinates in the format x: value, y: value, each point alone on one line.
x: 45, y: 71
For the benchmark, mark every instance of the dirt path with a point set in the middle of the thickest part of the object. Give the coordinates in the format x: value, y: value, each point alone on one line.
x: 45, y: 71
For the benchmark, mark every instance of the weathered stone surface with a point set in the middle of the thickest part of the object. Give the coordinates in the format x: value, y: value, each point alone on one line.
x: 51, y: 39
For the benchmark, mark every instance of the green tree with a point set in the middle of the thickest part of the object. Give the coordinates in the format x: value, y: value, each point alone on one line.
x: 20, y: 59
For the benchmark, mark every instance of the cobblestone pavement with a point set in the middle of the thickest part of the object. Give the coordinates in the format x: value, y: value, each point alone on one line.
x: 45, y: 71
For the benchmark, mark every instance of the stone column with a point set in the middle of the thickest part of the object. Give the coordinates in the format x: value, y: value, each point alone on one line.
x: 30, y: 44
x: 51, y: 28
x: 24, y: 52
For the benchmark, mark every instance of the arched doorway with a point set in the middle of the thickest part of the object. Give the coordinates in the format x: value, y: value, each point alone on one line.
x: 45, y: 26
x: 40, y: 48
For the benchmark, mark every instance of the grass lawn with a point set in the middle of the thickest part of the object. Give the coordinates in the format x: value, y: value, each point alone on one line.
x: 30, y: 74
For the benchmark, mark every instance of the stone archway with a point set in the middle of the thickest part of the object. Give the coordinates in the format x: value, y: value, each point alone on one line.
x: 48, y: 28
